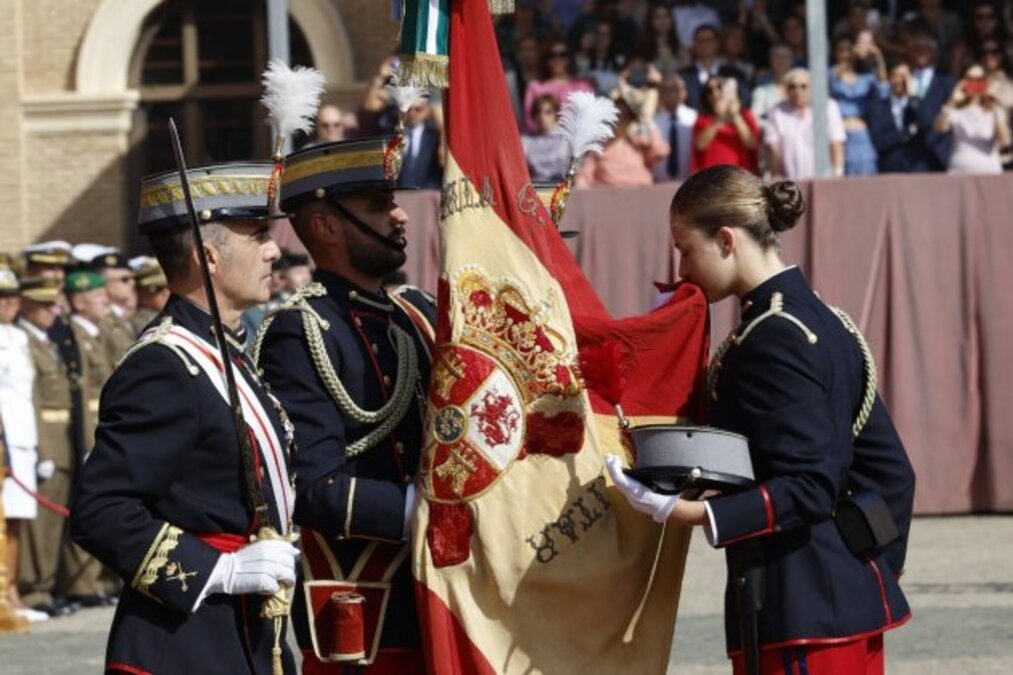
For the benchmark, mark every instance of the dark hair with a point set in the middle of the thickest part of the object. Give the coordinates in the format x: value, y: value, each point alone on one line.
x: 972, y: 38
x: 728, y: 196
x: 571, y: 66
x: 706, y: 107
x: 172, y: 247
x: 541, y: 100
x: 648, y: 43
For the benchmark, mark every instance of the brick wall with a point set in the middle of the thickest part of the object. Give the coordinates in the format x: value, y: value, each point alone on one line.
x: 11, y: 233
x: 372, y: 34
x: 53, y: 30
x: 74, y: 187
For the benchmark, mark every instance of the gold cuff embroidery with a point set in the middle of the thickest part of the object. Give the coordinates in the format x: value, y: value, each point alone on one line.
x: 156, y: 558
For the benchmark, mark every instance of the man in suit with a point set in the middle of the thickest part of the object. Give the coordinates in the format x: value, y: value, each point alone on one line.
x: 350, y: 361
x: 932, y: 88
x: 707, y: 64
x: 169, y: 498
x: 893, y: 125
x: 423, y: 167
x: 675, y: 119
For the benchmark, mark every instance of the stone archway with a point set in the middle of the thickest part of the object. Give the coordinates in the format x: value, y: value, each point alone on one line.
x: 103, y: 62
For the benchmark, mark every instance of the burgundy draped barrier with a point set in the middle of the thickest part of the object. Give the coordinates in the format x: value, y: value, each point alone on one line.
x: 920, y: 262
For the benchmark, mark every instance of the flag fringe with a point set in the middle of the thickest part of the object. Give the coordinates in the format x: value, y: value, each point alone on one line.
x: 501, y: 6
x: 425, y: 70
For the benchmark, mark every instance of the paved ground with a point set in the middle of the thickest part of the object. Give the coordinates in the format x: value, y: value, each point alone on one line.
x: 959, y: 582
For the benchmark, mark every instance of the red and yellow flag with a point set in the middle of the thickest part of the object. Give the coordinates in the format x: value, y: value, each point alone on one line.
x: 525, y: 558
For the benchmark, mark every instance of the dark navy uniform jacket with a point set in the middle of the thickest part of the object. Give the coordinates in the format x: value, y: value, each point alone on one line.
x: 167, y: 467
x: 351, y: 502
x: 795, y: 399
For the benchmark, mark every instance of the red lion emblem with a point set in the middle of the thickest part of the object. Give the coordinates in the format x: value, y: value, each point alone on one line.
x: 497, y: 418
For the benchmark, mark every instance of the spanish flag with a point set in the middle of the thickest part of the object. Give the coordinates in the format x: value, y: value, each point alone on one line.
x: 526, y: 560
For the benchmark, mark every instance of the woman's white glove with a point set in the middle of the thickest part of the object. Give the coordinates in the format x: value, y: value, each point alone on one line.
x: 642, y: 498
x: 262, y: 567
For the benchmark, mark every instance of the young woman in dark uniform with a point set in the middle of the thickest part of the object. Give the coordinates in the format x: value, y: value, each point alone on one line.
x: 794, y: 379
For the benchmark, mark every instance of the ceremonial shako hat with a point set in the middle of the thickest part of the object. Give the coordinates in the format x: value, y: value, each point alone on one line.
x: 342, y: 167
x: 233, y: 191
x: 671, y: 458
x: 148, y: 273
x: 8, y: 283
x: 83, y: 280
x: 48, y: 253
x: 40, y: 289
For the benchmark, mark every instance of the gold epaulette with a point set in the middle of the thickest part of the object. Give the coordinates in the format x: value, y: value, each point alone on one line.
x: 157, y: 336
x: 736, y: 338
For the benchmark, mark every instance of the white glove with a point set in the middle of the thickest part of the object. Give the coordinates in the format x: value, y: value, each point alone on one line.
x: 262, y: 567
x: 642, y: 498
x: 45, y: 469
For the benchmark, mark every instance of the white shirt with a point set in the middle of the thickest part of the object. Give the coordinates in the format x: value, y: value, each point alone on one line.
x: 791, y: 131
x: 923, y: 80
x: 17, y: 381
x: 685, y: 118
x: 897, y: 106
x: 415, y: 140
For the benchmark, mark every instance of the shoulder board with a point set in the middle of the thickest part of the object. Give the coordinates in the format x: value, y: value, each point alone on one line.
x: 776, y: 309
x: 157, y: 336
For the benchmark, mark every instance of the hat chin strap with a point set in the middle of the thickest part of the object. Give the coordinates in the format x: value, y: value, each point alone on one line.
x: 366, y: 229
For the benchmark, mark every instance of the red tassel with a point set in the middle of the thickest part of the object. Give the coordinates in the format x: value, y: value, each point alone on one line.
x: 558, y: 435
x: 449, y: 533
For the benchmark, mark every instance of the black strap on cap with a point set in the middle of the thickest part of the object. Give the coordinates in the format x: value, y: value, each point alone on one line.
x: 364, y: 228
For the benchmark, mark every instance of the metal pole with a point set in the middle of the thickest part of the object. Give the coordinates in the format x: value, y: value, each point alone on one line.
x: 277, y: 43
x: 816, y: 21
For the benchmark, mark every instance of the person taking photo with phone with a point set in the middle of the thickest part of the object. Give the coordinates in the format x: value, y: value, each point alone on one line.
x: 977, y: 123
x: 725, y: 132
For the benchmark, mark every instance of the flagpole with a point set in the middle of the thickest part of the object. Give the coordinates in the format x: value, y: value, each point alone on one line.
x: 816, y: 22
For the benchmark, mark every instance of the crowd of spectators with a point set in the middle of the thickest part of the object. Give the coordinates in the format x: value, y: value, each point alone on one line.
x: 915, y: 85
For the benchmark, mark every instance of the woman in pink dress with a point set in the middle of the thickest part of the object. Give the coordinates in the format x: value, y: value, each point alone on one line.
x: 557, y: 79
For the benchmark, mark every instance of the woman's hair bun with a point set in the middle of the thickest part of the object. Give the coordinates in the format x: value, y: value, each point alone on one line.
x: 785, y: 204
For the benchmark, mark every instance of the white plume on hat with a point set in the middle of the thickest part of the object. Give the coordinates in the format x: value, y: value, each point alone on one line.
x: 86, y: 252
x: 291, y: 96
x: 588, y: 122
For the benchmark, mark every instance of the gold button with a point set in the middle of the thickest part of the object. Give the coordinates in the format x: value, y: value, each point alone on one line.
x: 354, y: 295
x: 777, y: 528
x: 358, y: 322
x: 330, y: 481
x: 399, y: 446
x: 375, y: 347
x: 386, y: 380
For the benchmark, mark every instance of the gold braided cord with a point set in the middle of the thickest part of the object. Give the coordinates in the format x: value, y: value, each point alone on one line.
x: 869, y: 393
x: 388, y: 416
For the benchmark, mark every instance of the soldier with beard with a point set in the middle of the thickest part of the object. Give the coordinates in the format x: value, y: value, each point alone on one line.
x: 350, y: 362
